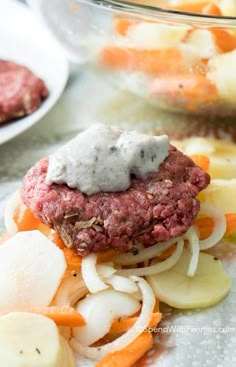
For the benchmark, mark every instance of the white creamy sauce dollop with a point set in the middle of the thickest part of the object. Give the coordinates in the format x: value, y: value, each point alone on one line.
x: 102, y: 159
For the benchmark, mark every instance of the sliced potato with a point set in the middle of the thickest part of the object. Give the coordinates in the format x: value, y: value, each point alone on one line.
x: 221, y: 194
x: 228, y: 7
x: 29, y: 340
x: 31, y: 269
x: 203, y: 43
x: 209, y: 285
x: 147, y: 35
x: 222, y: 70
x: 222, y: 155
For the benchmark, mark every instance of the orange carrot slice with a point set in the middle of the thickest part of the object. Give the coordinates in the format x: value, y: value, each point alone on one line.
x: 122, y: 325
x: 201, y: 160
x: 169, y: 60
x: 224, y: 39
x: 61, y: 315
x: 128, y: 356
x: 205, y: 225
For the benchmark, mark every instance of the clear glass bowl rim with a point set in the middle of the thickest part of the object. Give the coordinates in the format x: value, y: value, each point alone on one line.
x: 154, y: 12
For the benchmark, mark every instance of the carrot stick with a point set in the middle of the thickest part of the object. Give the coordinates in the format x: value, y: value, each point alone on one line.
x: 129, y: 355
x: 224, y: 39
x: 201, y: 160
x: 205, y: 225
x: 122, y: 325
x: 190, y: 91
x: 169, y: 60
x: 61, y: 315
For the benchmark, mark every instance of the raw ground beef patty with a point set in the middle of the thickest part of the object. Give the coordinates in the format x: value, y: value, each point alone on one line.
x: 160, y: 207
x: 21, y: 92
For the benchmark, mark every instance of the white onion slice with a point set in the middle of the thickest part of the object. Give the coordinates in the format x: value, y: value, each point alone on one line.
x: 105, y: 270
x: 13, y: 203
x: 71, y: 290
x: 68, y: 357
x: 219, y: 226
x: 91, y: 278
x: 99, y: 310
x: 193, y: 239
x: 122, y: 284
x: 131, y: 334
x: 143, y: 255
x: 159, y: 267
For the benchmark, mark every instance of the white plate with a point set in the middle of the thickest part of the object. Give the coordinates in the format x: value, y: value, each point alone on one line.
x: 24, y: 40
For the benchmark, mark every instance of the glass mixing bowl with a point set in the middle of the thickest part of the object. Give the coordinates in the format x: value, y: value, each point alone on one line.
x: 175, y: 59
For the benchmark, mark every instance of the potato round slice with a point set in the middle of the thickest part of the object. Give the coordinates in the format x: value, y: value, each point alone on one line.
x: 31, y: 268
x: 147, y: 35
x: 221, y: 194
x: 208, y: 286
x: 222, y: 155
x: 29, y: 340
x: 222, y: 69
